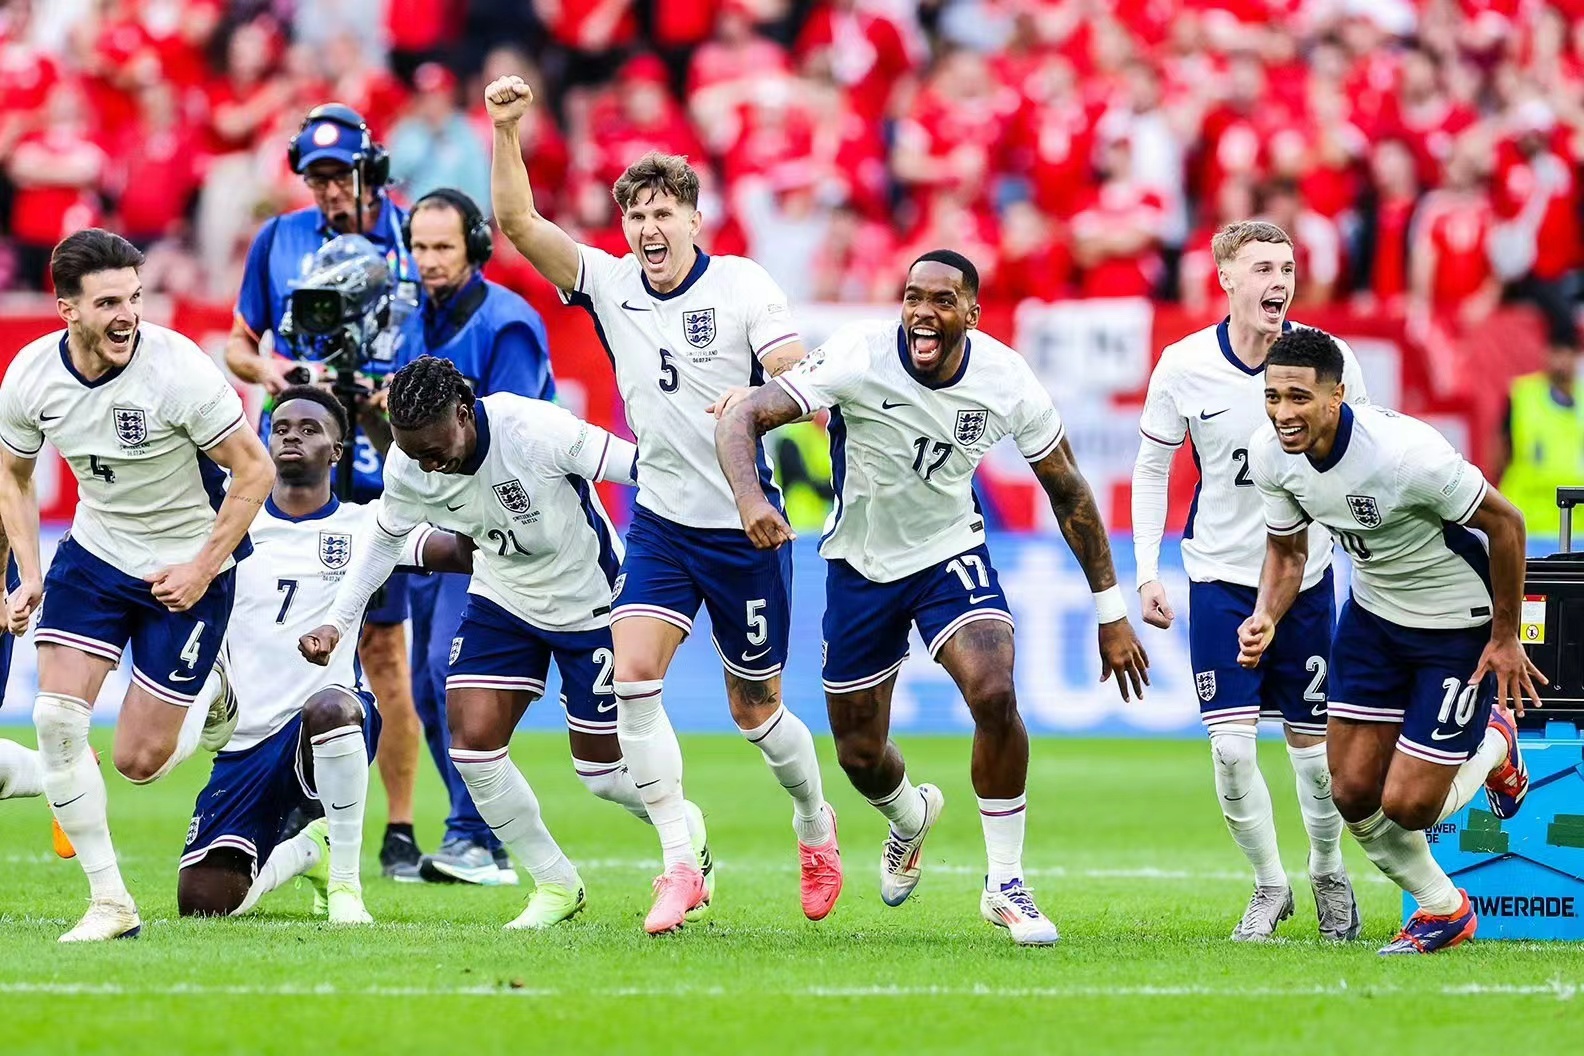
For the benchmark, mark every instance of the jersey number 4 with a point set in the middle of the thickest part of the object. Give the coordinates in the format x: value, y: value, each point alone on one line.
x: 100, y: 470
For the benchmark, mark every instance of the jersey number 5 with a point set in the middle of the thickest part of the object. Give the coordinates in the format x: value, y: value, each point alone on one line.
x: 668, y: 371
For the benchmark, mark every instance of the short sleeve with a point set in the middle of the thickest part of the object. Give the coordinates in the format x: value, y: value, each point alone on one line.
x: 1283, y: 514
x: 1352, y: 376
x: 829, y: 374
x: 254, y: 301
x: 19, y: 430
x: 565, y: 442
x: 210, y: 409
x: 769, y: 320
x: 595, y: 267
x: 413, y: 546
x: 1160, y: 420
x: 1036, y: 427
x: 1433, y: 476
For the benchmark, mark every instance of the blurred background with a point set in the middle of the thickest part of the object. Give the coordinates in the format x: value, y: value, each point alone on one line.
x: 1424, y: 154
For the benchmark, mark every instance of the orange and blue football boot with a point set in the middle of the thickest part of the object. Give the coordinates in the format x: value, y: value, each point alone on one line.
x: 1428, y: 932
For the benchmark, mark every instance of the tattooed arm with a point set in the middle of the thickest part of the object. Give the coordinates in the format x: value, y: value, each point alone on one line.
x: 1081, y: 525
x: 736, y: 438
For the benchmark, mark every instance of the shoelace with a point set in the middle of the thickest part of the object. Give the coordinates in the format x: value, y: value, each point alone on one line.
x: 1023, y: 899
x: 896, y: 851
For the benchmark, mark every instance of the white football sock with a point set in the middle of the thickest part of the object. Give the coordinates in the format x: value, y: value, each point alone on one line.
x: 341, y: 776
x: 788, y: 749
x: 613, y: 783
x: 1470, y: 777
x: 291, y: 858
x: 649, y: 745
x: 1246, y: 802
x: 508, y: 805
x: 186, y: 741
x: 76, y: 790
x: 903, y: 807
x: 1320, y: 816
x: 1003, y: 821
x: 1404, y: 855
x: 21, y: 772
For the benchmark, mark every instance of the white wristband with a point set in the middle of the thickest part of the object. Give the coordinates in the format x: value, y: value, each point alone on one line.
x: 1110, y: 605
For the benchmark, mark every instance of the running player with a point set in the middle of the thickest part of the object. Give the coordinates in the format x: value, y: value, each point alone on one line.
x: 682, y: 328
x: 148, y: 424
x: 1208, y: 386
x: 303, y: 732
x: 1429, y: 636
x: 914, y: 409
x: 514, y: 474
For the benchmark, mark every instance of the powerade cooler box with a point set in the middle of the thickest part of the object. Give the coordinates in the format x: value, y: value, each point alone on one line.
x: 1525, y: 875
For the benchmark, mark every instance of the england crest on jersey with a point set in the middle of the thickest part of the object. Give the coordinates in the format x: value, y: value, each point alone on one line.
x: 335, y: 549
x: 513, y: 496
x: 699, y: 327
x: 131, y: 426
x: 1204, y: 682
x: 971, y: 426
x: 1365, y: 510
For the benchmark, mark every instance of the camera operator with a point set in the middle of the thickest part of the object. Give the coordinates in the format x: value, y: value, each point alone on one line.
x: 498, y: 343
x: 346, y: 171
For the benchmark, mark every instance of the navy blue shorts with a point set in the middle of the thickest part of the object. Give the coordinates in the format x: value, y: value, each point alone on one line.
x: 1290, y: 681
x: 389, y: 604
x: 13, y: 580
x: 495, y: 649
x: 671, y: 569
x: 866, y: 623
x: 95, y: 608
x: 1384, y: 672
x: 251, y: 793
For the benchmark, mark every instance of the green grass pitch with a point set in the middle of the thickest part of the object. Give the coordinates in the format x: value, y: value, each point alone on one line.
x: 1126, y: 852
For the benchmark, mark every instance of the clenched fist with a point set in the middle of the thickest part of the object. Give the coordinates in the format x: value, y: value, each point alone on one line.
x: 507, y: 99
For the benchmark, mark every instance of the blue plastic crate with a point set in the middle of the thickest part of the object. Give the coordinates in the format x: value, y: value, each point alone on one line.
x: 1525, y: 875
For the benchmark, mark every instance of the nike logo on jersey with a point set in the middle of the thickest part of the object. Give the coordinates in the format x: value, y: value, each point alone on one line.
x: 635, y: 308
x: 887, y: 404
x: 603, y: 708
x: 48, y: 417
x: 1203, y: 417
x: 174, y: 677
x: 455, y: 508
x: 749, y: 659
x: 974, y: 599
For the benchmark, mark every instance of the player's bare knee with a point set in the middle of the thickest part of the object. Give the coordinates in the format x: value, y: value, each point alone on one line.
x: 1355, y: 799
x: 211, y: 890
x: 643, y: 668
x: 992, y: 702
x: 139, y: 763
x: 1412, y: 808
x: 860, y: 752
x: 752, y: 703
x: 331, y: 709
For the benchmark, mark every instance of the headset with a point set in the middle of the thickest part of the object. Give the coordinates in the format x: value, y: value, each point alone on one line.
x: 477, y: 239
x: 372, y: 161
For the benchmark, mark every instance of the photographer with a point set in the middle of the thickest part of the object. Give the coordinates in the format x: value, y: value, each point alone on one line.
x: 346, y: 170
x: 498, y: 343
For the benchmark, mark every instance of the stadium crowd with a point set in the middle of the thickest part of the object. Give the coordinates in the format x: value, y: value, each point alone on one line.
x: 1425, y: 153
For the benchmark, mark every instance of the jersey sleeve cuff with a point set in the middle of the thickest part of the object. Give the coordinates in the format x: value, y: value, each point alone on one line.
x: 18, y: 450
x: 418, y: 544
x: 1291, y: 529
x: 1047, y: 448
x: 599, y: 470
x: 1152, y: 438
x: 1473, y: 506
x: 804, y: 403
x: 388, y: 530
x: 774, y: 343
x: 577, y: 290
x: 236, y: 423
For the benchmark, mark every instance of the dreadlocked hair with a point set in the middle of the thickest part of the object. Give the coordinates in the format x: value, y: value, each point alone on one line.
x: 422, y: 391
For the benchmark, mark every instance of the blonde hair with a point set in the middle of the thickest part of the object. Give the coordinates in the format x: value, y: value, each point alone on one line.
x: 662, y: 173
x: 1233, y: 237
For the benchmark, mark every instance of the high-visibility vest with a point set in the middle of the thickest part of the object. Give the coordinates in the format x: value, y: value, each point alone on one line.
x: 1547, y: 453
x: 806, y: 508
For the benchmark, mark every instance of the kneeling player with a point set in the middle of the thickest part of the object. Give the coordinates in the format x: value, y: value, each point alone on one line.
x: 914, y: 409
x: 304, y: 732
x: 515, y: 475
x: 1429, y: 637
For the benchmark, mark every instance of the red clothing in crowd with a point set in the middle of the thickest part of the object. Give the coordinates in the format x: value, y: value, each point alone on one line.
x: 865, y: 52
x: 580, y: 24
x: 157, y: 175
x: 1055, y: 145
x: 1113, y: 207
x: 715, y: 63
x: 26, y: 77
x: 422, y: 25
x: 964, y: 138
x: 44, y: 214
x: 1389, y: 269
x: 1519, y: 179
x: 1455, y: 226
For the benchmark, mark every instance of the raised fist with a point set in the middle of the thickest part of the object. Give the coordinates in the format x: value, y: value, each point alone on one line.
x: 507, y: 99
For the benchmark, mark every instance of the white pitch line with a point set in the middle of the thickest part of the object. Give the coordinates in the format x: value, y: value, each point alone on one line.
x: 1562, y: 990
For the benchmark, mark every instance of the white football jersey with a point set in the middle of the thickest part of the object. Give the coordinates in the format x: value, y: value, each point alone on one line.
x: 134, y: 438
x: 546, y: 550
x: 674, y: 355
x: 1396, y: 496
x: 284, y: 590
x: 1201, y: 389
x: 903, y: 451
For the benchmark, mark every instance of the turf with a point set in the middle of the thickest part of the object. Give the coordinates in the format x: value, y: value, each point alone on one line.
x: 1126, y: 853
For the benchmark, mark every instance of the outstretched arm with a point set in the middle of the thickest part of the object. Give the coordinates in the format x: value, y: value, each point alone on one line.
x: 548, y: 248
x: 736, y: 446
x: 19, y: 514
x: 1515, y: 673
x: 1280, y: 580
x: 1073, y: 503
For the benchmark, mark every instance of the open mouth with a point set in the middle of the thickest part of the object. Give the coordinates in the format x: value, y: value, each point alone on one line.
x: 119, y: 337
x: 1290, y: 434
x: 655, y: 253
x: 926, y: 343
x: 1273, y: 306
